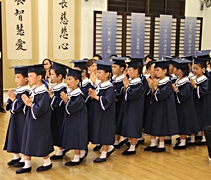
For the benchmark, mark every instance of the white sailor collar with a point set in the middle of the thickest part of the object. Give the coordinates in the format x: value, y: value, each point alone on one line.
x: 105, y: 85
x: 119, y: 79
x: 180, y: 82
x: 75, y: 92
x: 135, y: 81
x: 58, y: 86
x: 20, y: 90
x: 85, y: 82
x: 39, y: 90
x: 201, y: 79
x: 163, y: 81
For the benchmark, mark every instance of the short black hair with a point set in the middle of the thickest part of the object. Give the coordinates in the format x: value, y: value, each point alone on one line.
x: 148, y: 56
x: 60, y: 71
x: 114, y: 55
x: 149, y: 64
x: 99, y: 56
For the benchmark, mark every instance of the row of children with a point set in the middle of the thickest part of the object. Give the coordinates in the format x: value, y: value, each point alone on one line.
x: 70, y: 118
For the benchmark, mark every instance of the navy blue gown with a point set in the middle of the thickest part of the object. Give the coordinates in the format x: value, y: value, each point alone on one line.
x: 102, y: 124
x: 86, y: 84
x: 201, y: 97
x: 186, y: 113
x: 75, y: 125
x: 130, y: 121
x: 17, y: 120
x: 37, y: 134
x: 162, y: 115
x: 57, y: 112
x: 118, y: 89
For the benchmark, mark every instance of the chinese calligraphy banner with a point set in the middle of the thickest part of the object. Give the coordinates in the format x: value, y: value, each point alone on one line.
x: 108, y: 34
x: 62, y: 43
x: 137, y: 35
x: 165, y: 36
x: 19, y: 29
x: 190, y: 35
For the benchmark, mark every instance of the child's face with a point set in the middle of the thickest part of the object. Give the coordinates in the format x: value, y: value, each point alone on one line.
x: 133, y: 73
x: 34, y: 78
x: 72, y: 82
x: 116, y: 69
x: 160, y: 73
x: 178, y: 72
x: 198, y: 70
x: 20, y: 80
x: 102, y: 75
x: 171, y: 69
x: 93, y: 68
x: 53, y: 77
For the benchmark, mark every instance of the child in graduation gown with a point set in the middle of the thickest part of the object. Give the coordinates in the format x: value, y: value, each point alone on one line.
x: 17, y: 118
x: 86, y: 84
x: 57, y: 74
x: 37, y: 136
x: 186, y: 113
x: 201, y: 95
x: 162, y: 117
x: 118, y: 68
x: 75, y: 125
x: 132, y: 109
x: 102, y: 112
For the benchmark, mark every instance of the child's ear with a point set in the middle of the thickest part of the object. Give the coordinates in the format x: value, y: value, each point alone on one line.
x: 77, y: 81
x: 60, y: 76
x: 122, y: 69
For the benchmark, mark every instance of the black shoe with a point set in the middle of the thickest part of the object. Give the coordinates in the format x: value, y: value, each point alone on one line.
x: 167, y: 141
x: 150, y: 148
x: 179, y: 147
x: 97, y: 147
x: 116, y: 146
x: 55, y: 157
x: 200, y: 143
x: 123, y: 142
x: 99, y: 160
x: 18, y: 164
x: 44, y: 168
x: 141, y: 141
x: 198, y: 137
x: 71, y: 163
x: 82, y: 158
x: 13, y: 161
x: 109, y: 153
x: 23, y: 170
x: 159, y: 150
x: 191, y: 144
x: 127, y: 153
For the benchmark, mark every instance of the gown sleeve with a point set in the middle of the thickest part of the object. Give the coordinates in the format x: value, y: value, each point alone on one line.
x: 184, y: 93
x: 133, y: 92
x: 106, y: 100
x: 56, y: 101
x: 202, y: 89
x: 163, y: 92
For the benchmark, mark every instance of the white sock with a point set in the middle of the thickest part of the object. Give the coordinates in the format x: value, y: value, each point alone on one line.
x: 22, y: 159
x: 182, y: 142
x: 153, y: 142
x: 27, y: 164
x: 161, y: 145
x: 110, y: 148
x: 199, y: 133
x: 209, y: 159
x: 59, y: 152
x: 16, y: 156
x: 132, y: 148
x: 76, y: 158
x: 116, y: 142
x: 167, y: 138
x: 123, y: 138
x: 82, y: 153
x: 47, y: 162
x: 192, y: 138
x: 103, y: 154
x: 203, y: 139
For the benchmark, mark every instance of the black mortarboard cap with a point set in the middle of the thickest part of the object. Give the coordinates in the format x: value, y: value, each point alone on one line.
x: 36, y: 68
x: 190, y: 57
x: 119, y: 60
x: 75, y: 73
x: 161, y: 63
x: 80, y: 63
x: 204, y: 54
x: 58, y: 66
x: 181, y: 63
x: 104, y: 65
x: 20, y: 69
x: 135, y: 62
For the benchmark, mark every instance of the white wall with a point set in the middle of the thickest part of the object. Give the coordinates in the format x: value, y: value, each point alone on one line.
x: 193, y: 9
x: 43, y: 29
x: 87, y: 18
